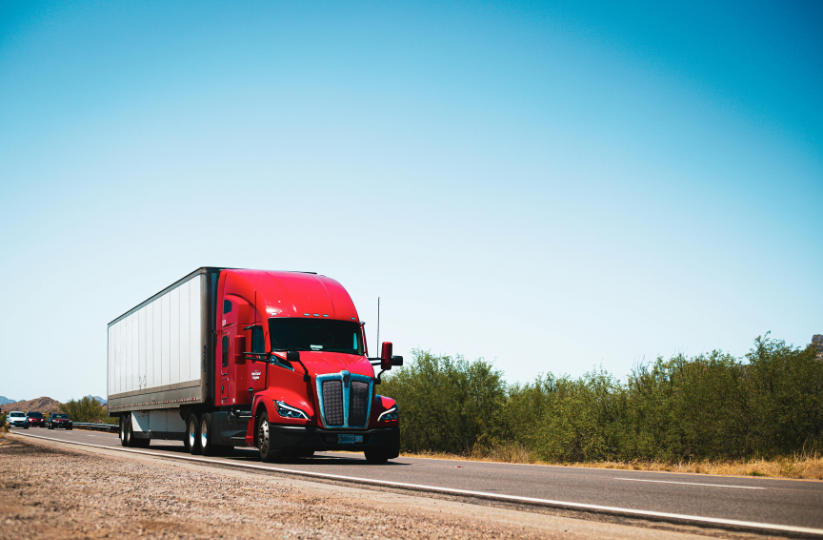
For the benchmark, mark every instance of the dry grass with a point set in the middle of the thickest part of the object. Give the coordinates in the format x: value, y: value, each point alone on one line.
x: 800, y: 466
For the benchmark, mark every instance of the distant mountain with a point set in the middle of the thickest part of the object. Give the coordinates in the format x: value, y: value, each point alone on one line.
x: 100, y: 400
x: 4, y: 400
x: 42, y: 404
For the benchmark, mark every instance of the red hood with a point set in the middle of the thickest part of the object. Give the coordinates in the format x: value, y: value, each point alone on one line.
x: 322, y: 363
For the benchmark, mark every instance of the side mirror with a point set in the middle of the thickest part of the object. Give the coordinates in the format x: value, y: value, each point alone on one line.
x: 293, y: 357
x: 397, y: 361
x: 385, y: 356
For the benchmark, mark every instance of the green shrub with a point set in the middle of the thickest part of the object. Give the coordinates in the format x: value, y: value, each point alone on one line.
x: 710, y: 406
x: 447, y: 404
x: 85, y: 410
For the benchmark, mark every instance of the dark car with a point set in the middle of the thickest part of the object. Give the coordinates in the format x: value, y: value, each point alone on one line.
x: 36, y: 419
x: 18, y: 419
x: 59, y: 420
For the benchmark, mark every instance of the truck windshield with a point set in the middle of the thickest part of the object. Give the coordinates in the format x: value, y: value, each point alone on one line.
x: 292, y: 334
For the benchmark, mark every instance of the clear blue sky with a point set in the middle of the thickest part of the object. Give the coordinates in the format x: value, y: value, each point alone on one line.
x: 551, y: 187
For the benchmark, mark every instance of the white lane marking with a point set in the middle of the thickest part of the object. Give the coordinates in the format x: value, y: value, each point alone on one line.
x: 463, y: 492
x: 688, y: 483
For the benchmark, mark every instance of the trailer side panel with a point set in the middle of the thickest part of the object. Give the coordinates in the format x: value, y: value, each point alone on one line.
x: 156, y: 351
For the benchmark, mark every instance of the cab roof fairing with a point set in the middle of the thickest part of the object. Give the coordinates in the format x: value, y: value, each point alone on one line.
x: 291, y: 294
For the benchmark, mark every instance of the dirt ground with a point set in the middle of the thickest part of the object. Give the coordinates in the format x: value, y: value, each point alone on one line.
x: 52, y: 491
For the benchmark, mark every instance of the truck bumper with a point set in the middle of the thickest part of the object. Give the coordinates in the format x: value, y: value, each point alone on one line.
x: 287, y: 439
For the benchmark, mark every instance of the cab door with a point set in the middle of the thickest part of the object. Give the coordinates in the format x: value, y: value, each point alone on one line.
x: 257, y: 370
x: 225, y: 356
x: 225, y: 346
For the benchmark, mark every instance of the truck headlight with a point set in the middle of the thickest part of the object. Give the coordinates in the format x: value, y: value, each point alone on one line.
x: 287, y: 411
x: 391, y: 414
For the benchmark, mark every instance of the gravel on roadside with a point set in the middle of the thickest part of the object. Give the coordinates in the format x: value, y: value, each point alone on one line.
x: 46, y: 492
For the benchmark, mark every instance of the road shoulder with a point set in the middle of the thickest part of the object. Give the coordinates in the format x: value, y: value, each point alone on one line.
x: 51, y: 490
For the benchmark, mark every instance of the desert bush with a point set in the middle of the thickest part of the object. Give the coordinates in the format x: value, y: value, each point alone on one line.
x: 85, y: 410
x: 708, y: 407
x: 447, y: 404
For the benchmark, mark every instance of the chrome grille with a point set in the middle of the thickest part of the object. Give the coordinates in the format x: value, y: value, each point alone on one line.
x: 345, y: 399
x: 358, y: 403
x: 333, y: 402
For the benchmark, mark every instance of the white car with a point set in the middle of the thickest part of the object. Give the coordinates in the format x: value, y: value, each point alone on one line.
x: 18, y: 419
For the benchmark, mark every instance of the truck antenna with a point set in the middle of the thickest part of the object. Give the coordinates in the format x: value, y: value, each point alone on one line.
x: 377, y: 345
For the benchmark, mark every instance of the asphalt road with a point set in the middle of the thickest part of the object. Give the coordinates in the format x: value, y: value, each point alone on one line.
x: 794, y: 503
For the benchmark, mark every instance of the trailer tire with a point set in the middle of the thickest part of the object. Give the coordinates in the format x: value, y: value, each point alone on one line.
x: 140, y: 443
x: 264, y: 439
x: 193, y: 435
x: 125, y: 430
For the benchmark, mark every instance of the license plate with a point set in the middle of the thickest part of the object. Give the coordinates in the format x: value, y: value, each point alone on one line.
x: 347, y: 438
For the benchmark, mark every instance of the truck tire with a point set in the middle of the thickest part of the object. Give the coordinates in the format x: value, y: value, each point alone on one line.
x: 223, y: 450
x: 379, y: 457
x: 125, y: 430
x: 206, y: 447
x: 193, y: 435
x: 264, y: 439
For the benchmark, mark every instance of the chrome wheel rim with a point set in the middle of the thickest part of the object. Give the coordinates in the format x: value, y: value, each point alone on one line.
x: 191, y: 434
x: 264, y: 435
x: 204, y: 434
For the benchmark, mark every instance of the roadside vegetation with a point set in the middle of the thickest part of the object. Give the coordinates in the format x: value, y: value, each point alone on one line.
x: 714, y: 413
x: 86, y: 410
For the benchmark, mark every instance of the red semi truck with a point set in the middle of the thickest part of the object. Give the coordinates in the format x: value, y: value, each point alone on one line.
x: 231, y: 357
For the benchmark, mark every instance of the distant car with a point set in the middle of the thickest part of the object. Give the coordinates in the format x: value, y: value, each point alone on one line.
x: 59, y: 420
x: 18, y: 419
x: 36, y: 419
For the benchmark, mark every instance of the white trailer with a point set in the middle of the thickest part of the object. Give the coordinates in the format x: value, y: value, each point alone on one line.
x: 159, y: 357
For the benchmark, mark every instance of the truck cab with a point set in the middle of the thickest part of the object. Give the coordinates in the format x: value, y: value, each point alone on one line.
x: 291, y: 372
